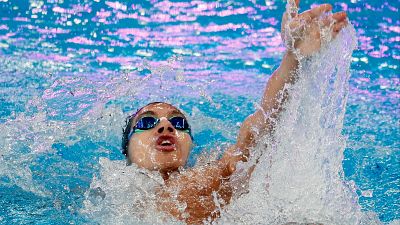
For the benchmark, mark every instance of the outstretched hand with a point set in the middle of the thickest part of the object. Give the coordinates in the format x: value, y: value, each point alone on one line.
x: 303, y: 33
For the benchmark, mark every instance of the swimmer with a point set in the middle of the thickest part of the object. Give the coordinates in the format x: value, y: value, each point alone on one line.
x: 158, y: 136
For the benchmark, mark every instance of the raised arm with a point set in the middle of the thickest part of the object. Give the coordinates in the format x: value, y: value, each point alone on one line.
x: 196, y: 189
x: 302, y: 37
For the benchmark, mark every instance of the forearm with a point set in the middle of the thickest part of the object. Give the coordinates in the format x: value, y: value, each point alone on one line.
x: 263, y: 119
x: 275, y: 93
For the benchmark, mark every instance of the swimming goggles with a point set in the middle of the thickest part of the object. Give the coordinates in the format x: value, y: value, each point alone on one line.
x: 149, y: 122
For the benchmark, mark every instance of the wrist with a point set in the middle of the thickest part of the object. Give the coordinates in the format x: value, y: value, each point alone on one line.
x: 290, y: 60
x: 288, y: 66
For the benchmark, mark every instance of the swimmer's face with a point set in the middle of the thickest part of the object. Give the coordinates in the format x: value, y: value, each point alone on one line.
x: 162, y: 148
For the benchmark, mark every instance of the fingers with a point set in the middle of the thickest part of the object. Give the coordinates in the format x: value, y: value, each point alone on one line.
x: 340, y: 22
x: 337, y: 27
x: 299, y: 22
x: 307, y: 16
x: 308, y: 19
x: 339, y: 16
x: 297, y: 3
x: 293, y: 7
x: 292, y: 10
x: 316, y: 12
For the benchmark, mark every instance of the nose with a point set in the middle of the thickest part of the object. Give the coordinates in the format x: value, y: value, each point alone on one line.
x: 165, y: 126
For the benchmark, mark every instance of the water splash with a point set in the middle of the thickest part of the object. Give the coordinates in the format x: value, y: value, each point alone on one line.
x: 124, y: 195
x: 30, y: 47
x: 299, y: 176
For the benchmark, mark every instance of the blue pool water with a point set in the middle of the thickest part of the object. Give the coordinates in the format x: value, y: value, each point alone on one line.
x: 71, y: 71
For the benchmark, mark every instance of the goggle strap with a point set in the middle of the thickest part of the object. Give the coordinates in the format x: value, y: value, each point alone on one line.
x: 134, y: 131
x: 131, y: 133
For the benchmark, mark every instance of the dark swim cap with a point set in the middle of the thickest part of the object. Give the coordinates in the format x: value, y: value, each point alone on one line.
x: 127, y: 129
x: 125, y: 134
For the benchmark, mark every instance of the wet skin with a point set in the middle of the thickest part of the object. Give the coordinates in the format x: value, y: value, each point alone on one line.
x: 196, y: 187
x: 145, y: 148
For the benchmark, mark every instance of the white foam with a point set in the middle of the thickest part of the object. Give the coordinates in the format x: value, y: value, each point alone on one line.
x: 124, y: 195
x: 299, y: 176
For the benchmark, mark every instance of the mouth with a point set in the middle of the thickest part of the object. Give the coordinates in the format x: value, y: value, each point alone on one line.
x: 166, y: 143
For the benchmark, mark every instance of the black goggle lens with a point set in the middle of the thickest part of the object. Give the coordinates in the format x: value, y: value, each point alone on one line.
x: 179, y: 123
x: 148, y: 122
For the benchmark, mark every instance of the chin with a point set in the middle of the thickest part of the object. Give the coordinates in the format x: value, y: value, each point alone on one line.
x: 170, y: 165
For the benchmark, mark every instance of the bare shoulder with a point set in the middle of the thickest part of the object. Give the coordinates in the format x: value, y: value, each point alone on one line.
x: 192, y: 195
x: 201, y: 178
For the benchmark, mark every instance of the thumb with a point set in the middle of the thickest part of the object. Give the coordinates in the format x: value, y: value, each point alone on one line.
x: 292, y: 7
